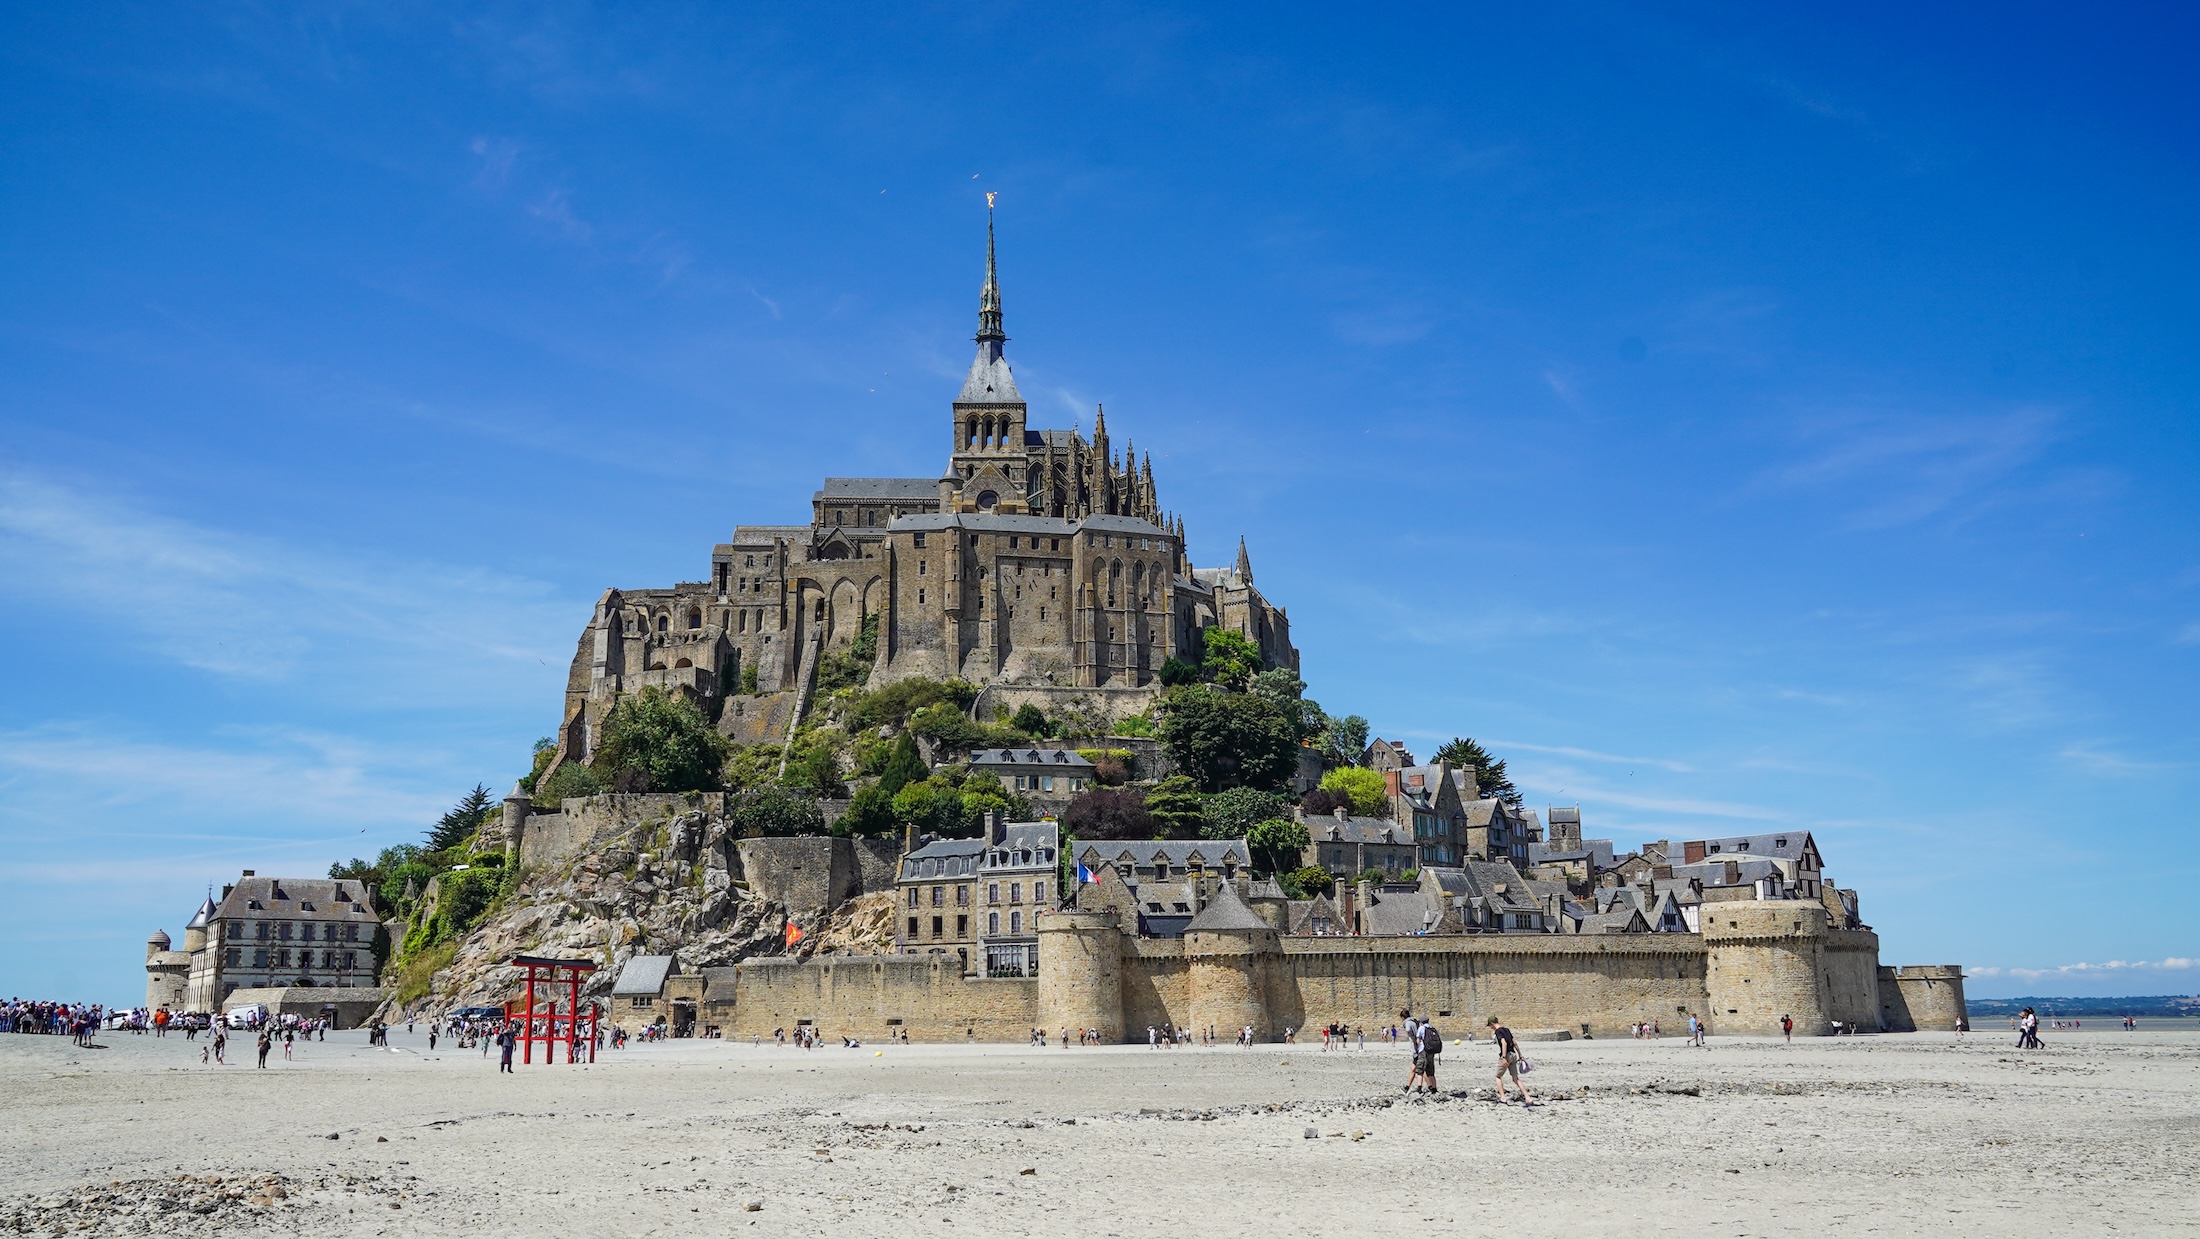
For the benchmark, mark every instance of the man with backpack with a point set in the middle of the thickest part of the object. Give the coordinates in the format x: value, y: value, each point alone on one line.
x: 1431, y: 1042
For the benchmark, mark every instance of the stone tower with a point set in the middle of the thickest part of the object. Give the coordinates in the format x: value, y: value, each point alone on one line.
x: 1229, y: 951
x: 1080, y: 972
x: 987, y: 468
x: 1766, y: 959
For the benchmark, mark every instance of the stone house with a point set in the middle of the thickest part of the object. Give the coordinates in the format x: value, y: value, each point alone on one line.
x: 1041, y: 774
x: 653, y: 989
x: 981, y: 898
x: 267, y: 933
x: 1347, y: 846
x: 1793, y: 852
x: 1158, y: 885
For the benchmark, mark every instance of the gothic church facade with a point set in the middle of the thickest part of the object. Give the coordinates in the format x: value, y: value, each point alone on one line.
x: 1038, y: 561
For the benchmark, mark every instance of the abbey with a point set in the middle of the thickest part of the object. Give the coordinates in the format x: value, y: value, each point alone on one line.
x: 1037, y: 561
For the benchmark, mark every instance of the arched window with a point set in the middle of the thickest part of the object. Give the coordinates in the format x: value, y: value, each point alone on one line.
x: 684, y: 663
x: 664, y: 623
x: 695, y: 617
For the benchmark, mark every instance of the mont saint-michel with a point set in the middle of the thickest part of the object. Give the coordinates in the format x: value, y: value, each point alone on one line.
x: 1035, y: 560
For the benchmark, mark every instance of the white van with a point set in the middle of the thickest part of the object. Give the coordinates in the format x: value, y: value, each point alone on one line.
x: 251, y: 1016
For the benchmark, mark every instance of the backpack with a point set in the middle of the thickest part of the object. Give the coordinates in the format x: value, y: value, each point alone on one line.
x: 1431, y: 1040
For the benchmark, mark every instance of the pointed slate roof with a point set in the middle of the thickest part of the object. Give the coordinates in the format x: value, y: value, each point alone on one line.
x: 1225, y: 912
x: 989, y: 381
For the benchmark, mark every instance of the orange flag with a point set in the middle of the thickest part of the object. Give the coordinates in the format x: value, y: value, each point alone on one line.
x: 794, y: 933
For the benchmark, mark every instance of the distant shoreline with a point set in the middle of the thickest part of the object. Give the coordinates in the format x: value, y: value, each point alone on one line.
x: 2162, y: 1006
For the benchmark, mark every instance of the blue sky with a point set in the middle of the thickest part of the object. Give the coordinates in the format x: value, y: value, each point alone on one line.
x: 1738, y: 420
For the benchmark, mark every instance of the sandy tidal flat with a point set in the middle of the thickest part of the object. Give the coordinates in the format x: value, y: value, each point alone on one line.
x: 1892, y: 1135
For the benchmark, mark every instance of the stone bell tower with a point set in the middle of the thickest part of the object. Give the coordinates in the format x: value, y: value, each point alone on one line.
x: 988, y: 469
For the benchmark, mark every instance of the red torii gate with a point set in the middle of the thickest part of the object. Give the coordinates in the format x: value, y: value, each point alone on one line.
x: 543, y: 1025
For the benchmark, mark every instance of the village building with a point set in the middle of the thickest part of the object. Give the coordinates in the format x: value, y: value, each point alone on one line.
x: 1347, y: 846
x: 1038, y: 773
x: 981, y: 898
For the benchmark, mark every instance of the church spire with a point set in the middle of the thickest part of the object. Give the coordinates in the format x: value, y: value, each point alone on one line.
x: 989, y: 300
x: 1244, y: 570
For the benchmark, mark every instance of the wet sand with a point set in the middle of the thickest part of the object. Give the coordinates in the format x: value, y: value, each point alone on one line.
x: 1893, y: 1135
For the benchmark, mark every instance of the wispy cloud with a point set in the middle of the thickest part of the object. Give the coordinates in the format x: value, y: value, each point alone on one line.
x: 1592, y: 755
x: 255, y: 608
x: 1907, y: 467
x: 2171, y: 963
x: 2094, y: 757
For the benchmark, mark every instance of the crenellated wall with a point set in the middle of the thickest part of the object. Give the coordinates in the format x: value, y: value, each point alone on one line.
x: 1756, y: 963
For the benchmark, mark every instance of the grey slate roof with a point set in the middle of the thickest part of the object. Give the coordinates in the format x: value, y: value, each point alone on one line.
x: 1626, y: 921
x: 1213, y: 853
x: 1376, y: 830
x: 989, y: 381
x: 880, y: 488
x: 944, y: 858
x: 1712, y: 872
x: 762, y: 535
x: 1004, y: 522
x: 1401, y: 912
x: 1067, y: 759
x: 288, y: 897
x: 643, y: 975
x: 1225, y: 912
x: 1781, y: 844
x: 205, y: 914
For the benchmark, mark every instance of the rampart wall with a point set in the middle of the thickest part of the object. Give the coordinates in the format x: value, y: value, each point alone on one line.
x: 870, y: 996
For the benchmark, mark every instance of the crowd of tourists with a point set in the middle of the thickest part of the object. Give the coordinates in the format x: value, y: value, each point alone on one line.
x: 74, y: 1019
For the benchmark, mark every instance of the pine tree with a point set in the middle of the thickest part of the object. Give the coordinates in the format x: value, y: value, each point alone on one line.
x: 1489, y: 773
x: 463, y: 822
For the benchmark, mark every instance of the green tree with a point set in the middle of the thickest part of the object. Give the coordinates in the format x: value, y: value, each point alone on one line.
x: 893, y: 704
x: 546, y: 751
x: 1223, y: 739
x: 1489, y: 772
x: 748, y: 680
x: 850, y: 667
x: 571, y: 778
x: 1231, y: 813
x: 944, y: 723
x: 1230, y: 659
x: 983, y: 792
x: 1363, y: 787
x: 655, y: 741
x: 1372, y: 874
x: 1108, y: 813
x: 815, y: 768
x: 933, y: 806
x: 1311, y: 880
x: 1030, y: 720
x: 1176, y: 672
x: 1134, y: 725
x: 1344, y: 741
x: 903, y: 766
x: 1277, y: 845
x: 870, y: 815
x: 774, y: 810
x: 463, y: 821
x: 1175, y: 807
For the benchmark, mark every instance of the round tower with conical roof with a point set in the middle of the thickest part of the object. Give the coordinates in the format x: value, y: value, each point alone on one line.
x: 1227, y: 952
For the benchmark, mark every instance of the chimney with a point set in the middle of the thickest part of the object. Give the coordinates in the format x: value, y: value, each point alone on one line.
x: 996, y: 832
x: 1340, y: 813
x: 248, y: 873
x: 1390, y: 782
x: 226, y: 888
x: 1692, y: 852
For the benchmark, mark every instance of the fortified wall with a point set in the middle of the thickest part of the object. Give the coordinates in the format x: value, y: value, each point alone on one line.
x: 1756, y: 963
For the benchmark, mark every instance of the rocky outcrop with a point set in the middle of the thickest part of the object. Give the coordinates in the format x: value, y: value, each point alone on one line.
x: 672, y: 883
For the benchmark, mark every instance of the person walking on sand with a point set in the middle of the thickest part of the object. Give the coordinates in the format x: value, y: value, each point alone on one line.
x: 221, y: 1047
x: 1787, y: 1028
x: 266, y: 1043
x: 1508, y: 1061
x: 505, y: 1041
x: 1695, y: 1029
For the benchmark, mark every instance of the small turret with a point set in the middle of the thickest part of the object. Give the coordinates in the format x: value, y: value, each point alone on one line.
x: 156, y: 944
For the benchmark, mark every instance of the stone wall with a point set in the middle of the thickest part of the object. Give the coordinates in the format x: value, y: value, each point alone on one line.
x: 1922, y: 998
x: 869, y: 996
x: 353, y: 1003
x: 583, y: 823
x: 1590, y: 985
